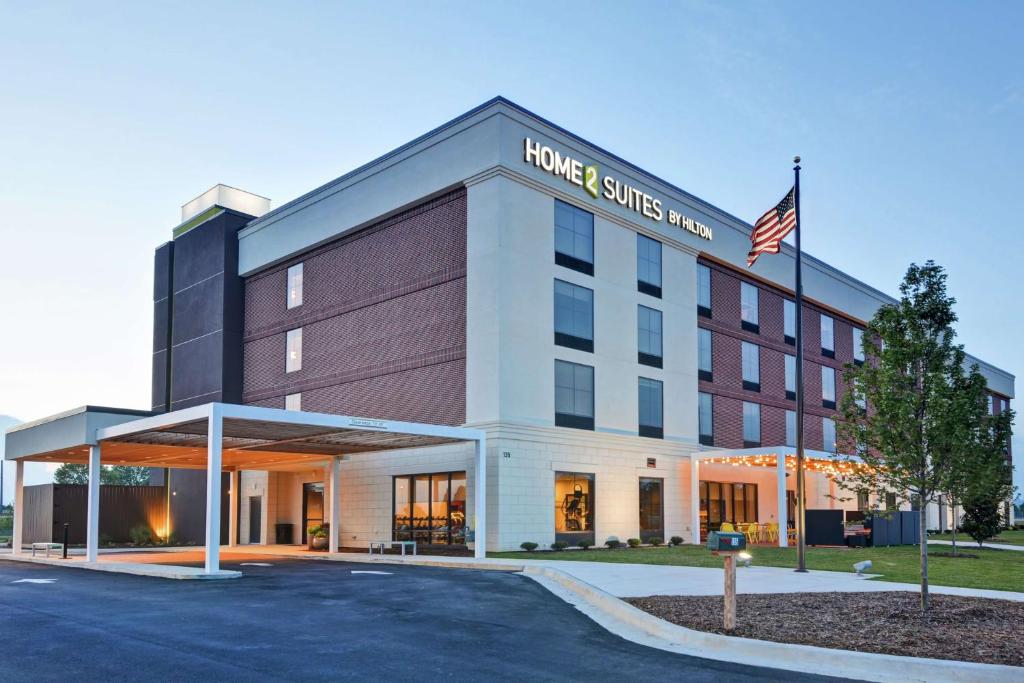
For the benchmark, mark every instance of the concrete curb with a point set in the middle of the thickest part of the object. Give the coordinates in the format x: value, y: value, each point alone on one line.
x: 136, y: 569
x: 640, y: 627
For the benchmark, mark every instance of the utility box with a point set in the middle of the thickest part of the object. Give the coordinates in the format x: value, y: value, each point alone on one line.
x: 726, y: 541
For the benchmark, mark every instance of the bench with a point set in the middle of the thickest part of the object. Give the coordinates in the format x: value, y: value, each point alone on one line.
x: 392, y: 544
x: 47, y: 547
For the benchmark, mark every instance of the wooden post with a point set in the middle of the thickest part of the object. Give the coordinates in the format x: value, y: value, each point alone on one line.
x: 730, y: 591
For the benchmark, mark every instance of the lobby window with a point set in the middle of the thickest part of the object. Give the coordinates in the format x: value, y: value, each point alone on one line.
x: 651, y: 411
x: 295, y: 285
x: 858, y: 346
x: 429, y: 508
x: 648, y: 324
x: 293, y: 402
x: 704, y: 370
x: 574, y: 238
x: 828, y: 434
x: 293, y: 350
x: 574, y: 316
x: 748, y: 307
x: 751, y: 424
x: 705, y: 418
x: 828, y: 387
x: 828, y: 340
x: 574, y: 395
x: 648, y: 266
x: 751, y: 366
x: 791, y: 428
x: 790, y: 377
x: 703, y: 290
x: 574, y: 507
x: 789, y: 321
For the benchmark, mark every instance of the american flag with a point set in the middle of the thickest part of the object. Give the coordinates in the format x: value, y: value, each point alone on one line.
x: 776, y: 223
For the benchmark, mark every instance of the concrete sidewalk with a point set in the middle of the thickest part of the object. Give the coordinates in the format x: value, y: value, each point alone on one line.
x: 970, y: 545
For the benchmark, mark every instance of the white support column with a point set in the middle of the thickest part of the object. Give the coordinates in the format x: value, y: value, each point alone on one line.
x: 234, y: 491
x: 480, y: 513
x: 92, y: 515
x: 334, y: 504
x: 781, y: 493
x: 215, y: 432
x: 694, y: 500
x: 19, y: 506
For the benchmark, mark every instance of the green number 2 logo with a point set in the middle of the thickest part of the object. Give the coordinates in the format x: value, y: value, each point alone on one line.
x: 590, y: 180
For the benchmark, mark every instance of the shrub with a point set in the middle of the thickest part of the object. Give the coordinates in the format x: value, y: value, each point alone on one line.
x: 612, y: 543
x: 528, y: 546
x: 676, y: 540
x: 655, y: 541
x: 633, y: 542
x: 141, y: 535
x: 981, y: 520
x: 318, y: 531
x: 584, y: 544
x: 559, y: 545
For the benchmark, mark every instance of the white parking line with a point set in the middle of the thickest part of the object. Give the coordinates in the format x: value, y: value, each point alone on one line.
x: 255, y: 564
x: 369, y: 571
x: 33, y: 581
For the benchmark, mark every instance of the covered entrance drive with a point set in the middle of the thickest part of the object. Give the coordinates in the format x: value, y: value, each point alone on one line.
x: 228, y: 438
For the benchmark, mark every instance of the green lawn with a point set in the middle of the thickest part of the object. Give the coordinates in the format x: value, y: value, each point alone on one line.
x: 1014, y: 537
x: 995, y: 569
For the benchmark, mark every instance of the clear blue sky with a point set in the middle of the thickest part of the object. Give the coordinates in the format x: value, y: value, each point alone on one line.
x: 908, y: 117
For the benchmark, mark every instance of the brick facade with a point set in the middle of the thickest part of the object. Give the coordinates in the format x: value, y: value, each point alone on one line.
x: 383, y: 321
x: 726, y: 386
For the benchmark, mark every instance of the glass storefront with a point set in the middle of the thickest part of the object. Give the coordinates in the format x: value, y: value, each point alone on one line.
x: 430, y: 508
x: 726, y: 502
x: 652, y: 507
x: 574, y: 507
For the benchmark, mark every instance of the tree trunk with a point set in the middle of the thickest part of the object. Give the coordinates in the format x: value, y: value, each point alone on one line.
x: 952, y: 505
x: 922, y: 516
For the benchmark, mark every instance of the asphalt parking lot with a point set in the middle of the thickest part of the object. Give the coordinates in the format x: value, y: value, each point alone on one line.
x: 301, y: 619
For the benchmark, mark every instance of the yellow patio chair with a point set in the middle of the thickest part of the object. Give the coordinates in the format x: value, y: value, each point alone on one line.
x: 773, y: 532
x: 727, y: 527
x: 751, y: 531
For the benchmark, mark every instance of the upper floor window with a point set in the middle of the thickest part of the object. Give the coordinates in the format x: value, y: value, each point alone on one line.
x: 828, y: 387
x: 293, y: 350
x: 648, y: 265
x: 751, y: 424
x: 828, y: 340
x: 574, y: 316
x: 295, y: 285
x: 858, y: 345
x: 574, y: 238
x: 293, y: 402
x: 789, y: 321
x: 791, y: 428
x: 651, y: 411
x: 790, y: 377
x: 705, y: 419
x: 703, y: 290
x: 574, y: 395
x: 751, y: 366
x: 828, y: 434
x: 648, y: 332
x: 748, y: 307
x: 991, y: 407
x: 704, y: 369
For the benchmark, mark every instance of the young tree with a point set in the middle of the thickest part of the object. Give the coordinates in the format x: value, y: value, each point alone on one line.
x: 909, y: 383
x: 69, y: 473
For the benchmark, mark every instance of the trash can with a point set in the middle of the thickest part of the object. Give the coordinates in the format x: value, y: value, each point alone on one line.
x: 284, y: 533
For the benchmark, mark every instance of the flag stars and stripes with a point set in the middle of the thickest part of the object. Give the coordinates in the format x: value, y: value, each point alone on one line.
x: 771, y: 228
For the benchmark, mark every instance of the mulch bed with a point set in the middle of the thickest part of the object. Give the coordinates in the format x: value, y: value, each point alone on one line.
x: 966, y: 629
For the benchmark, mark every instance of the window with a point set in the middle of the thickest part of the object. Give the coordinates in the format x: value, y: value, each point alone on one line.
x: 828, y: 434
x: 751, y: 366
x: 705, y: 419
x: 858, y: 346
x: 748, y: 307
x: 574, y: 507
x: 652, y: 508
x: 828, y: 387
x: 574, y: 395
x: 429, y: 508
x: 574, y: 238
x: 648, y: 324
x: 704, y: 370
x: 574, y: 316
x: 648, y: 266
x: 293, y: 344
x: 651, y: 412
x: 726, y: 502
x: 862, y: 500
x: 862, y: 403
x: 791, y: 428
x: 751, y: 424
x: 991, y: 407
x: 790, y: 377
x: 295, y: 285
x: 789, y: 321
x: 703, y: 290
x: 293, y: 402
x: 890, y: 501
x: 828, y: 341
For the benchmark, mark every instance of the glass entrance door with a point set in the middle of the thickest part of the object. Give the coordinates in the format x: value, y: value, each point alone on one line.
x: 312, y: 506
x: 652, y: 509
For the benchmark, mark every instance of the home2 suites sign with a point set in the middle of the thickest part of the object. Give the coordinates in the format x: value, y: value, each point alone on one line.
x: 608, y: 187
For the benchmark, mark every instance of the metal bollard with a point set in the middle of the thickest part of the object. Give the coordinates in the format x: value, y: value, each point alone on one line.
x: 66, y: 527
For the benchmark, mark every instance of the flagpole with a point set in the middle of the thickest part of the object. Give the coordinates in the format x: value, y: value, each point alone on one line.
x: 801, y: 498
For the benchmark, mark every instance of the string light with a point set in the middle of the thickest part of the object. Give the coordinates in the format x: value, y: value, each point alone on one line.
x: 832, y: 468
